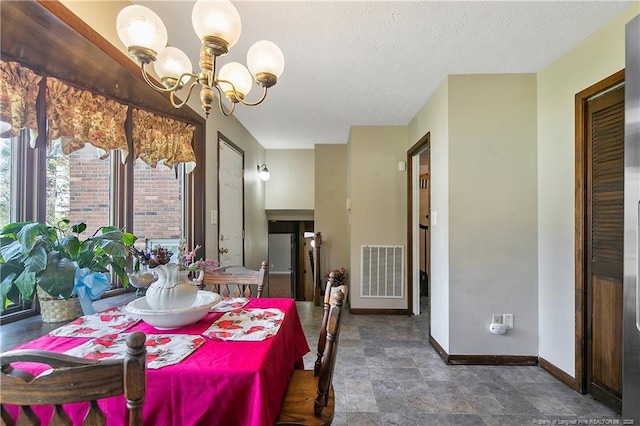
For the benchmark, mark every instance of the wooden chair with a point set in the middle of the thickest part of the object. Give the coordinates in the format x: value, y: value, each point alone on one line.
x: 236, y: 280
x: 330, y: 292
x: 74, y: 379
x: 310, y: 400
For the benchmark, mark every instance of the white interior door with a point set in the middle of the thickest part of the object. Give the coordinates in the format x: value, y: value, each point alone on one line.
x: 230, y: 204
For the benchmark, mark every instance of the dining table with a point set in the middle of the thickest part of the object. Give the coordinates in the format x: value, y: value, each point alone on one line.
x: 208, y: 377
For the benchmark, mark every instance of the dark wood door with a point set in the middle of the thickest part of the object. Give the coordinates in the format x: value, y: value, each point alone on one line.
x: 605, y: 188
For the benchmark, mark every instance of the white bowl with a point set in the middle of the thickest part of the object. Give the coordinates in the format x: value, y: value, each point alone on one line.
x: 174, y: 318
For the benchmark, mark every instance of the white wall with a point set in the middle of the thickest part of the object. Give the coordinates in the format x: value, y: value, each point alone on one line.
x: 492, y: 212
x: 279, y: 253
x: 292, y: 185
x: 597, y: 57
x: 433, y: 117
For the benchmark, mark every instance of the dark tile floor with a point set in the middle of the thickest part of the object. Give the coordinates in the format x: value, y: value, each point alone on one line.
x: 388, y: 374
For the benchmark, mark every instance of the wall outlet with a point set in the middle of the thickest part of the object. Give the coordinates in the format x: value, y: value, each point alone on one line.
x: 496, y: 319
x: 508, y: 320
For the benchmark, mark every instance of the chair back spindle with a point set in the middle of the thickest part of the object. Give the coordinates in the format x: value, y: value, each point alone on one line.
x: 310, y: 399
x: 73, y: 379
x: 327, y: 366
x: 237, y: 281
x: 329, y: 295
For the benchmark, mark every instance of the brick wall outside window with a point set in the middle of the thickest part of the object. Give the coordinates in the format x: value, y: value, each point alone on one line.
x: 157, y: 197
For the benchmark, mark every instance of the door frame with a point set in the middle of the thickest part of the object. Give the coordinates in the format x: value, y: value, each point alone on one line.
x: 223, y: 138
x: 581, y: 100
x: 412, y: 231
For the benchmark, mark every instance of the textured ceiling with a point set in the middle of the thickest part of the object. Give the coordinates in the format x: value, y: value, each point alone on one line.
x: 378, y: 62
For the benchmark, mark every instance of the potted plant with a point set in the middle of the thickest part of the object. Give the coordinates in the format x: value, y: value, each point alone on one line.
x: 54, y: 259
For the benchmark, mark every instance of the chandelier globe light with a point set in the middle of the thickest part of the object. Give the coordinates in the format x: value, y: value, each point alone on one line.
x: 217, y: 24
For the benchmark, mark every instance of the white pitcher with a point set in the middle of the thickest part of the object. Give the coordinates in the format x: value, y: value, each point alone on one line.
x: 172, y: 290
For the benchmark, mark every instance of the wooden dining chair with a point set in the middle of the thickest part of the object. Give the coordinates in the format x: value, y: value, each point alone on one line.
x: 237, y: 281
x: 330, y: 292
x: 310, y: 399
x: 73, y: 379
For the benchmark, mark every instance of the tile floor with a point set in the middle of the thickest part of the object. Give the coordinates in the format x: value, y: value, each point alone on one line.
x: 388, y: 374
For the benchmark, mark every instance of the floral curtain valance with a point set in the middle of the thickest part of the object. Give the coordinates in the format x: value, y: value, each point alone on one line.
x: 158, y: 138
x: 19, y: 88
x: 80, y: 117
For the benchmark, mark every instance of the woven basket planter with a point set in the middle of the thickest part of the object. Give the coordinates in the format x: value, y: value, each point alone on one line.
x: 58, y: 310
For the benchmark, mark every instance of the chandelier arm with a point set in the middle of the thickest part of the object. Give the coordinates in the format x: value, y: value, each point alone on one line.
x: 180, y: 105
x: 175, y: 87
x: 221, y: 105
x: 212, y: 72
x: 259, y: 101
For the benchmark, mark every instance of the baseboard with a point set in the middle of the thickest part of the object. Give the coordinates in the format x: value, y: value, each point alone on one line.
x: 493, y: 360
x: 482, y: 359
x: 362, y: 311
x: 558, y: 374
x: 443, y: 354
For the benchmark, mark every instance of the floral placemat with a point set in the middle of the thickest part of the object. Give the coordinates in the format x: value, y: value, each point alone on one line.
x: 229, y: 304
x: 96, y: 325
x: 162, y: 349
x: 246, y: 325
x: 115, y: 310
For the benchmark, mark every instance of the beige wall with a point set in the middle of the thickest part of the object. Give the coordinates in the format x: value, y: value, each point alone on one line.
x: 492, y: 212
x: 291, y: 186
x: 255, y: 219
x: 330, y: 204
x: 433, y: 117
x: 597, y: 57
x: 483, y: 158
x: 378, y: 193
x: 101, y: 15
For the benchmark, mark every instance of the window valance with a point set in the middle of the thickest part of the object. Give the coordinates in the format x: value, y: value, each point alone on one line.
x: 79, y: 117
x: 158, y: 138
x: 19, y: 88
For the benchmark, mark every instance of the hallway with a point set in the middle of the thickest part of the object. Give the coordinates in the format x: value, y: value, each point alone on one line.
x: 388, y: 374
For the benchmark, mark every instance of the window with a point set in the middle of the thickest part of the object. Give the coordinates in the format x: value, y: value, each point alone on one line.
x: 73, y: 167
x: 158, y: 206
x: 78, y: 187
x: 14, y: 155
x: 6, y: 181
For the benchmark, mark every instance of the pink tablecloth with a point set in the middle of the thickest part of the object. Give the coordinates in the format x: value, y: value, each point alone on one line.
x: 221, y: 383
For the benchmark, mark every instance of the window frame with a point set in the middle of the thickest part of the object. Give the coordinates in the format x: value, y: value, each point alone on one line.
x: 109, y: 73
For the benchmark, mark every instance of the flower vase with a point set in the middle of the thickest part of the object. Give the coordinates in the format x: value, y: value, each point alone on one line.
x: 172, y: 290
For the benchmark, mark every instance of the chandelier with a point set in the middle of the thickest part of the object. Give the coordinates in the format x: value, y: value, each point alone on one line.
x: 217, y: 24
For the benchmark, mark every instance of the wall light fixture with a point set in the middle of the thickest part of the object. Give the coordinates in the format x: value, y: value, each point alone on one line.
x: 263, y: 172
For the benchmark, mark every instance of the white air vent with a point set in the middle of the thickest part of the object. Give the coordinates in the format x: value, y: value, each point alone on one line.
x: 382, y: 271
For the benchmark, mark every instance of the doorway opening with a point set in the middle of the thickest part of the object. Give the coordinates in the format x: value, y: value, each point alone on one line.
x: 419, y: 235
x: 290, y: 274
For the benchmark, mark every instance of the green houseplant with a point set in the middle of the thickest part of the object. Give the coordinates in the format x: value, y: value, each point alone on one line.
x: 53, y: 257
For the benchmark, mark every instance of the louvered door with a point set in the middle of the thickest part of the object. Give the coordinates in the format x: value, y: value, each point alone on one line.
x: 605, y: 134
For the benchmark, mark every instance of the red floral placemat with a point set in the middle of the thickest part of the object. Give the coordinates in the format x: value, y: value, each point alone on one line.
x: 96, y: 325
x: 162, y: 349
x: 229, y: 304
x: 246, y: 325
